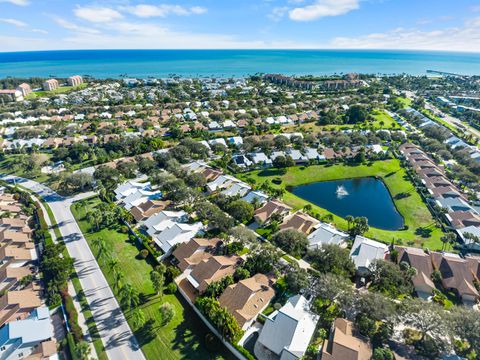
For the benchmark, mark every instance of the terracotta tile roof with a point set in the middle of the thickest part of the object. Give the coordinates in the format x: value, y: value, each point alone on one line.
x: 148, y: 208
x: 456, y: 274
x: 422, y: 262
x: 194, y: 251
x: 343, y: 345
x: 271, y: 207
x: 300, y: 222
x: 213, y: 269
x: 246, y: 299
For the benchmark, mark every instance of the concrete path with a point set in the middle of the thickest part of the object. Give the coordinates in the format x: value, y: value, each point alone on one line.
x: 116, y: 335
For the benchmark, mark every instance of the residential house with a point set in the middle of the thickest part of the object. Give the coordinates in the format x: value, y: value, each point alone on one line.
x: 260, y: 159
x: 365, y: 251
x: 325, y: 234
x: 221, y: 182
x: 255, y: 196
x: 343, y: 344
x: 17, y: 305
x: 299, y: 221
x: 237, y: 189
x: 288, y: 331
x: 212, y: 269
x: 241, y: 161
x: 30, y: 338
x: 191, y: 253
x: 148, y: 208
x: 129, y: 187
x: 456, y: 276
x: 422, y: 263
x: 271, y: 208
x: 247, y: 298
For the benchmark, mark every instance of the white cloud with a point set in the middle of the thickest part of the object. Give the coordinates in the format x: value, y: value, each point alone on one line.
x: 16, y: 2
x: 164, y: 10
x: 323, y: 8
x: 463, y: 38
x: 40, y: 31
x: 278, y: 13
x: 74, y: 27
x: 97, y: 14
x: 14, y: 22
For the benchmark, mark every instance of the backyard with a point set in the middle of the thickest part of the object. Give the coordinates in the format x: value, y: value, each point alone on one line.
x: 421, y: 231
x: 184, y: 336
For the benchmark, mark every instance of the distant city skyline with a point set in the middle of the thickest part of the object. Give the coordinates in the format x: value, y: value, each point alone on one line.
x: 244, y: 24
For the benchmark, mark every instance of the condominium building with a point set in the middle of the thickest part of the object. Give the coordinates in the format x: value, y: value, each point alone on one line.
x: 50, y: 85
x: 75, y: 80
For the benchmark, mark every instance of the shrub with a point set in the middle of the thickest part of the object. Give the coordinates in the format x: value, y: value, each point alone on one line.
x: 244, y: 352
x: 167, y: 311
x: 143, y: 253
x: 123, y: 229
x: 71, y: 346
x: 171, y: 288
x: 171, y: 273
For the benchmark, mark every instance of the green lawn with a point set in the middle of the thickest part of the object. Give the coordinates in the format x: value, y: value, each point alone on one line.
x: 381, y: 121
x: 59, y: 90
x: 406, y: 102
x: 10, y: 165
x: 421, y: 232
x: 183, y: 337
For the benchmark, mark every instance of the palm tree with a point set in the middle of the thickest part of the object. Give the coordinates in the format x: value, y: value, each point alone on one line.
x: 349, y: 219
x: 129, y: 296
x: 104, y: 252
x: 114, y: 265
x: 138, y: 318
x: 117, y: 280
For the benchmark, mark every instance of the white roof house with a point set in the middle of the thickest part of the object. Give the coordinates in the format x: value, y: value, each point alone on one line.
x: 229, y: 124
x: 296, y: 155
x: 252, y: 195
x: 19, y: 339
x: 241, y: 161
x: 129, y: 187
x: 220, y: 141
x: 260, y: 158
x: 276, y: 154
x: 288, y: 331
x: 237, y: 189
x: 472, y: 230
x: 327, y: 234
x: 312, y: 154
x: 365, y: 251
x: 221, y: 182
x: 169, y: 228
x: 235, y: 140
x: 139, y: 196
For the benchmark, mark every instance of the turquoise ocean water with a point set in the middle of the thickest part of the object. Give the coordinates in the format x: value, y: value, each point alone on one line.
x: 226, y: 63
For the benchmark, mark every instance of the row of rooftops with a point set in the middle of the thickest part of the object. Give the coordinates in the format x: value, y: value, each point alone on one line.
x: 461, y: 216
x: 25, y: 326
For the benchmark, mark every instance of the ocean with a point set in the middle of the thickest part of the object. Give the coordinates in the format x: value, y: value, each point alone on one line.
x: 228, y: 63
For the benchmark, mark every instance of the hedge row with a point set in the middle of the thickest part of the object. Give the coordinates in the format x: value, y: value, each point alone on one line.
x: 72, y: 316
x: 72, y: 346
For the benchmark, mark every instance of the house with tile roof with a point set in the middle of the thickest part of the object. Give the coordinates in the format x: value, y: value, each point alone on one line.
x: 422, y: 263
x: 193, y: 252
x: 212, y: 269
x: 300, y: 221
x: 272, y: 207
x: 247, y: 298
x: 344, y: 344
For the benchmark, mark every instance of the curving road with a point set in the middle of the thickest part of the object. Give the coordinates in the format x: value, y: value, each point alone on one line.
x: 116, y: 335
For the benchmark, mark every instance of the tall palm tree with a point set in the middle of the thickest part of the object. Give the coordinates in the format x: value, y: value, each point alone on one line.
x: 138, y: 318
x: 129, y: 296
x: 104, y: 252
x: 349, y: 219
x: 114, y: 265
x: 118, y: 278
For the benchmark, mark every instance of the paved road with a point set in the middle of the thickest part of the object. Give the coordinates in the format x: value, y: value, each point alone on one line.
x: 118, y: 339
x: 457, y: 123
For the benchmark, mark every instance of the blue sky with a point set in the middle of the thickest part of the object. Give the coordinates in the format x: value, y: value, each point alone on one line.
x: 206, y: 24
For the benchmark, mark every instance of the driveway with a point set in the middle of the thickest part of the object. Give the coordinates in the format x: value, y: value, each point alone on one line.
x: 118, y: 339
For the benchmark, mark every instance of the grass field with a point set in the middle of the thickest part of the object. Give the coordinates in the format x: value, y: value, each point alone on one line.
x: 10, y: 165
x: 183, y: 337
x: 59, y: 90
x: 421, y: 231
x: 381, y: 121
